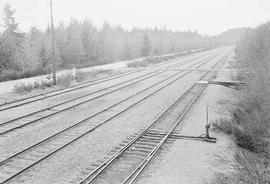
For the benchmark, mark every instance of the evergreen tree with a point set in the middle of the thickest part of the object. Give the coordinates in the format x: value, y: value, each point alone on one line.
x: 156, y: 51
x: 89, y: 42
x: 44, y: 59
x: 105, y: 44
x: 172, y: 49
x: 127, y: 54
x: 145, y: 51
x: 60, y: 44
x: 73, y: 49
x: 32, y: 45
x: 12, y: 41
x: 83, y: 44
x: 9, y: 20
x: 4, y: 57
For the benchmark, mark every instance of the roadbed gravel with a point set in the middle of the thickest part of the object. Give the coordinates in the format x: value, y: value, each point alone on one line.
x: 195, y: 162
x: 76, y: 160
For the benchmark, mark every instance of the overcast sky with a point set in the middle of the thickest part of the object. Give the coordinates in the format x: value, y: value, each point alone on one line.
x: 206, y: 16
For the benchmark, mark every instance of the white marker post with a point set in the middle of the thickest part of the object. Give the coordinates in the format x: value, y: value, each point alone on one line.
x: 74, y: 73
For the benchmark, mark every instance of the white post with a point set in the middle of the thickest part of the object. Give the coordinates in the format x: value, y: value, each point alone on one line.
x: 74, y: 73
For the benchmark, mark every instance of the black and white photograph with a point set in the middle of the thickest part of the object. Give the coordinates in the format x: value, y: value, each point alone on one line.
x: 134, y: 92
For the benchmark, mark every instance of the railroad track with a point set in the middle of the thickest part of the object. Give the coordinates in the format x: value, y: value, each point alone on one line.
x: 36, y: 116
x: 38, y: 97
x: 27, y: 158
x: 126, y: 165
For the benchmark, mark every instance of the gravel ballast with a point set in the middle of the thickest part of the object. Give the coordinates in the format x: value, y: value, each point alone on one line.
x: 73, y: 162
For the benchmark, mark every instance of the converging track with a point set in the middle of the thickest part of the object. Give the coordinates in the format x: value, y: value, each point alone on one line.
x: 34, y: 98
x: 48, y: 111
x: 126, y: 165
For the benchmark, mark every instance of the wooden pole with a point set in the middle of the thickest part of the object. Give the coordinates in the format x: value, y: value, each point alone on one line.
x: 53, y: 51
x: 207, y: 126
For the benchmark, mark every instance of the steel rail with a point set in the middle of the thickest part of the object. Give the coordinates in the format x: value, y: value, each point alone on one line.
x: 83, y: 120
x: 85, y: 95
x: 94, y: 174
x: 90, y: 129
x: 75, y: 87
x: 105, y: 164
x: 177, y: 64
x: 104, y: 110
x: 135, y: 174
x: 143, y: 164
x: 64, y: 90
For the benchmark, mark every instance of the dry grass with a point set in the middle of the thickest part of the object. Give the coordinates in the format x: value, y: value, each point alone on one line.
x: 63, y: 81
x: 250, y: 120
x: 84, y: 75
x: 138, y: 64
x: 23, y: 88
x: 152, y: 60
x: 251, y: 169
x: 249, y: 125
x: 81, y: 76
x: 102, y: 72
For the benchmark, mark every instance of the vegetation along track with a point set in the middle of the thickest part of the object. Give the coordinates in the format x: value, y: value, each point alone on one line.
x: 22, y: 121
x: 23, y: 160
x: 38, y: 97
x: 126, y: 165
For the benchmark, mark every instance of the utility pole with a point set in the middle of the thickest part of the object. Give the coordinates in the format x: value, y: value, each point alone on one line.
x: 53, y: 52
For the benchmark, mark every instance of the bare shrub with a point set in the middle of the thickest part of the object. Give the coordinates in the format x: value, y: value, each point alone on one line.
x: 65, y: 80
x: 137, y: 64
x: 12, y: 74
x: 103, y: 72
x: 251, y: 169
x: 250, y: 121
x: 24, y: 88
x: 247, y: 127
x: 224, y: 125
x: 150, y: 60
x: 81, y: 76
x: 221, y: 178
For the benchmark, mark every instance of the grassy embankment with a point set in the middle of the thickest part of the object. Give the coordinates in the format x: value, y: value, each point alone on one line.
x: 250, y: 119
x: 63, y: 81
x: 152, y: 60
x: 67, y: 80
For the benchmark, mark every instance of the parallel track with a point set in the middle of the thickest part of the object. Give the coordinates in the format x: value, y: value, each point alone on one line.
x: 126, y: 165
x: 19, y: 122
x: 38, y: 97
x: 24, y: 159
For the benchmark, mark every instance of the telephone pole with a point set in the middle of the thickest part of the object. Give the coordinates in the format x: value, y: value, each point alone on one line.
x: 53, y: 51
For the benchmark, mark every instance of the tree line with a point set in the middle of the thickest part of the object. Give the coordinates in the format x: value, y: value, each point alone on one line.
x: 250, y: 119
x: 80, y: 43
